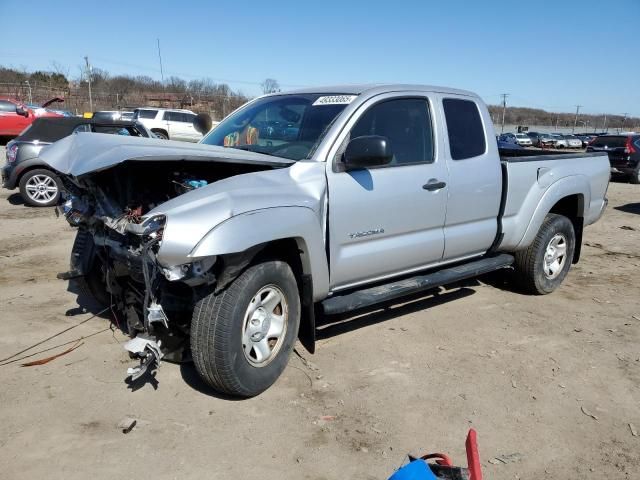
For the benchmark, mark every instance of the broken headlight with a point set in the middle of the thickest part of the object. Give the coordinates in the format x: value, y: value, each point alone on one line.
x: 196, y: 272
x: 150, y: 229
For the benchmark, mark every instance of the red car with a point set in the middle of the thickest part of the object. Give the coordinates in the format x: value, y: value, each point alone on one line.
x: 15, y: 116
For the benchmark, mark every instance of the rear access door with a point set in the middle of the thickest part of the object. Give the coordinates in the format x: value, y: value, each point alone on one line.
x: 475, y: 179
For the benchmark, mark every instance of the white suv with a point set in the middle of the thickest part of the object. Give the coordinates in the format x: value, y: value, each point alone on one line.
x: 168, y: 123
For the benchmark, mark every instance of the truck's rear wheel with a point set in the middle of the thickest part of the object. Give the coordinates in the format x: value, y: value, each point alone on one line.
x: 541, y: 268
x: 241, y: 338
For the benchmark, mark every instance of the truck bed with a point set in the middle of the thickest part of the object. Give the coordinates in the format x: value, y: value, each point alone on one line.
x: 536, y: 182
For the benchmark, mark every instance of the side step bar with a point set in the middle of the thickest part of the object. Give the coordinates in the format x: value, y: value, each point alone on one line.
x: 370, y: 296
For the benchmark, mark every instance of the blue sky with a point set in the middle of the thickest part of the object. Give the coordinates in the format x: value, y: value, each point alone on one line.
x: 546, y: 54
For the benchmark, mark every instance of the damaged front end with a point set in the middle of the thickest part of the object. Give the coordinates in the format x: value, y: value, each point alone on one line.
x: 116, y: 259
x: 120, y: 213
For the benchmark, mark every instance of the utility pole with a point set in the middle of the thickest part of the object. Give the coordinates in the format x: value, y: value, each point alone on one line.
x: 575, y: 121
x: 86, y: 59
x: 624, y: 119
x: 604, y: 125
x: 29, y: 87
x: 504, y: 108
x: 160, y: 58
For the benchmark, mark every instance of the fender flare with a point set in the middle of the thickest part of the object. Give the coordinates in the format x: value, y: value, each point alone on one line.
x: 565, y: 187
x: 257, y: 227
x: 23, y: 167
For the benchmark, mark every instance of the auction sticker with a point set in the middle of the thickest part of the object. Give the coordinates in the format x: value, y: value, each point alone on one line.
x: 335, y: 100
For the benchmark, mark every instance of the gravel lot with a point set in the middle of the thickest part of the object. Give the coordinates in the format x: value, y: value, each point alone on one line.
x: 554, y: 380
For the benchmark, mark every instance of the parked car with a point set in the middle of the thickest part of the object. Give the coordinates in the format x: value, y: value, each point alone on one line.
x: 585, y: 138
x: 541, y: 140
x: 16, y: 116
x: 573, y: 141
x: 559, y: 140
x: 38, y: 184
x: 517, y: 138
x: 355, y: 209
x: 623, y: 152
x: 168, y: 124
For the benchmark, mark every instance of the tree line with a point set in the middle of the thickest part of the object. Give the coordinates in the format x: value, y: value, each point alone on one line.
x: 111, y: 92
x: 120, y: 92
x: 538, y: 117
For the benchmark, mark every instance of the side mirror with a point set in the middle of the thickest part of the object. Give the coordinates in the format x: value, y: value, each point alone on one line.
x: 23, y: 112
x: 367, y: 151
x: 203, y: 123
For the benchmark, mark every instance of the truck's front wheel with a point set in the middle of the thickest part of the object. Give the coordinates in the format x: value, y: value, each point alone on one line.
x: 541, y: 268
x: 241, y: 338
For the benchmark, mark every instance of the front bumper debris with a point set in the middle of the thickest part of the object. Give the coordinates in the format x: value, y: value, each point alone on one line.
x: 147, y: 349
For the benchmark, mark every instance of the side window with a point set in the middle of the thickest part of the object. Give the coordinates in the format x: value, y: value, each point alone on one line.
x: 85, y: 127
x: 7, y: 106
x: 466, y: 133
x: 188, y: 117
x: 406, y: 123
x: 169, y: 116
x: 145, y: 114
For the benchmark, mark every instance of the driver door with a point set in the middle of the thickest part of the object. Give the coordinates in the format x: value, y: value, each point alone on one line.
x: 388, y: 220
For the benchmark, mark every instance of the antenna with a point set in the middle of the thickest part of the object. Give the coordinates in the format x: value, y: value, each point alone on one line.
x: 160, y: 58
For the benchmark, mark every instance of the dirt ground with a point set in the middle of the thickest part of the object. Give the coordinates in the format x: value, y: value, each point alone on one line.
x: 550, y: 383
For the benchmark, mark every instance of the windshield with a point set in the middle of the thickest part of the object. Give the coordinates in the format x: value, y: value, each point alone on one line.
x: 288, y: 126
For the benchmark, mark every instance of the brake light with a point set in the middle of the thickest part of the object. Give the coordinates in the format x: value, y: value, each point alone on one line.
x: 629, y: 148
x: 12, y: 152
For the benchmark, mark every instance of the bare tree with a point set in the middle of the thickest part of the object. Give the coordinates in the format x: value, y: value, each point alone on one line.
x: 270, y: 85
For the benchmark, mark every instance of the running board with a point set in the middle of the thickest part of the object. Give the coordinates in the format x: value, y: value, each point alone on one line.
x: 370, y: 296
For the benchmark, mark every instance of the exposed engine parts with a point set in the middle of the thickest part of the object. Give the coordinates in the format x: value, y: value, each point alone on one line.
x: 116, y: 252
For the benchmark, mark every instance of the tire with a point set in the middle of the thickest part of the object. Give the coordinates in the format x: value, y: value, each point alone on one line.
x: 635, y: 176
x: 160, y: 134
x: 40, y: 188
x: 228, y: 341
x: 535, y: 271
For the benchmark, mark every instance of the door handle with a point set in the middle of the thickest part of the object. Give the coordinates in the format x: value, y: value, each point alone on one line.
x: 434, y: 185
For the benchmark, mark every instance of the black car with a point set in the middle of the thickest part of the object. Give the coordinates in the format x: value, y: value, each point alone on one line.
x: 623, y: 151
x: 38, y: 184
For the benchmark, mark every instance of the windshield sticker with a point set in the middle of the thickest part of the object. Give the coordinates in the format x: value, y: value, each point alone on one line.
x: 335, y: 100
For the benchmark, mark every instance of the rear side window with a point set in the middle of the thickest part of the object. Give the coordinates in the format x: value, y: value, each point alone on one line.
x: 175, y: 116
x: 145, y: 114
x: 7, y: 106
x: 112, y: 129
x: 406, y: 123
x: 610, y: 141
x: 466, y: 134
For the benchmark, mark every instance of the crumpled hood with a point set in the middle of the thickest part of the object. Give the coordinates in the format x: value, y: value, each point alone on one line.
x: 83, y: 153
x: 192, y: 215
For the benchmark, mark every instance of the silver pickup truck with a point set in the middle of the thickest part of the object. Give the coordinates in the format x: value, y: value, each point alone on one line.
x: 318, y: 201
